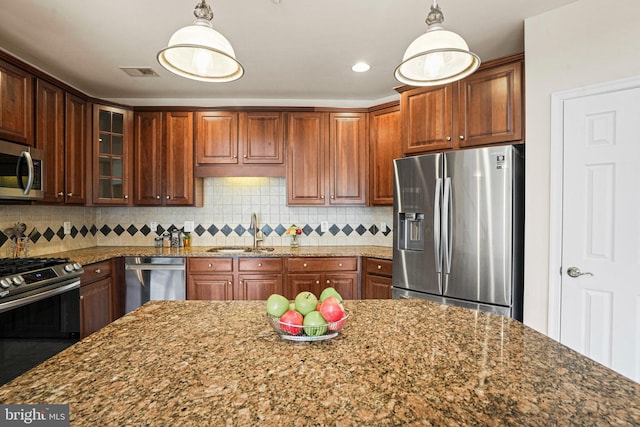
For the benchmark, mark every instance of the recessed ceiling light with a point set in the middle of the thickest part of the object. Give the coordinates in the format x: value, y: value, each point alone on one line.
x: 361, y: 67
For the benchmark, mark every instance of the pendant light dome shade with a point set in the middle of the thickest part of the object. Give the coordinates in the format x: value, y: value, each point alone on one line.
x: 436, y: 57
x: 199, y: 52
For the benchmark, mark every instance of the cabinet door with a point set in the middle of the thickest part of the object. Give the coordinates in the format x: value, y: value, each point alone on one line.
x: 76, y: 139
x: 178, y: 164
x: 307, y: 143
x: 427, y: 118
x: 348, y: 154
x: 490, y: 108
x: 384, y: 146
x: 259, y: 287
x: 297, y: 283
x: 148, y: 159
x: 213, y: 287
x: 345, y: 283
x: 262, y: 138
x: 112, y: 155
x: 95, y: 306
x: 216, y: 137
x: 50, y: 138
x: 16, y: 104
x: 376, y: 287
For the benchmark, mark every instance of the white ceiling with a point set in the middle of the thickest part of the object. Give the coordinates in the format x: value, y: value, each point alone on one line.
x: 295, y: 52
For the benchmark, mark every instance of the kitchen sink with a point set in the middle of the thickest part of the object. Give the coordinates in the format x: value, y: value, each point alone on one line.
x: 239, y: 249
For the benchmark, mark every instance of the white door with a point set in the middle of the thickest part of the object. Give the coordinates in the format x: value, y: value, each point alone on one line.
x: 600, y: 300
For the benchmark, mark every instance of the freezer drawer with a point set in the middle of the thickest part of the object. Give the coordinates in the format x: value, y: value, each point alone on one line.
x: 153, y: 278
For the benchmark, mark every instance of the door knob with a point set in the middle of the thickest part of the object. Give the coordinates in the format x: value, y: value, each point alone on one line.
x: 575, y: 272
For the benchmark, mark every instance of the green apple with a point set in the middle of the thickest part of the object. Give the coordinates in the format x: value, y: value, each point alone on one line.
x: 306, y: 302
x: 277, y: 305
x: 330, y: 292
x: 316, y: 320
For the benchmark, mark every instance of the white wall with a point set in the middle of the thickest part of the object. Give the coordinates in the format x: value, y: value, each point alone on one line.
x: 583, y: 43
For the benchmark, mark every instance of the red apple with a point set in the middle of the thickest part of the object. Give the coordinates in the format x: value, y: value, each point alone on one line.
x: 331, y: 309
x: 291, y: 322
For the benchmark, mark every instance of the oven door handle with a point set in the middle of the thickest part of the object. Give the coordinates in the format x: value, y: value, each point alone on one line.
x: 38, y: 297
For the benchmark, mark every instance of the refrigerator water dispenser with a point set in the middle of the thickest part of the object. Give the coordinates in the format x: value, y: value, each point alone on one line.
x: 411, y: 231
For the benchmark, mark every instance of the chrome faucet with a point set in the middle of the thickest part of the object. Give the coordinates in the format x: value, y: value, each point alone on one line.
x: 254, y: 226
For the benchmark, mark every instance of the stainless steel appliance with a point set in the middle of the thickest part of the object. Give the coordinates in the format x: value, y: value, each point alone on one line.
x: 21, y: 172
x: 153, y: 278
x: 39, y: 311
x: 458, y: 228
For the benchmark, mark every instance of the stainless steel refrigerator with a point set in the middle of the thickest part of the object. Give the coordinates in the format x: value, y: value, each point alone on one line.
x: 459, y: 227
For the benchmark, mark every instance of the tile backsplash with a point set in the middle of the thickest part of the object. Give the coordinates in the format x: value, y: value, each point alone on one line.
x: 223, y: 219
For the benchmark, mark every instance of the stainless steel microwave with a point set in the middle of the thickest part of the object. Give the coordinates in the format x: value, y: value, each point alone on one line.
x: 21, y: 172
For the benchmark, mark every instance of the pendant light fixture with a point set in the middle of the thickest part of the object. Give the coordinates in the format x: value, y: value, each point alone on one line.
x: 199, y: 52
x: 436, y: 57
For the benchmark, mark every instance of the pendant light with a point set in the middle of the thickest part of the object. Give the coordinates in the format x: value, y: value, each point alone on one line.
x: 199, y: 52
x: 436, y: 57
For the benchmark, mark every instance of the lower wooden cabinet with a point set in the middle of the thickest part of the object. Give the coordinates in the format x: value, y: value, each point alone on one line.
x: 96, y: 297
x: 377, y: 281
x: 315, y: 274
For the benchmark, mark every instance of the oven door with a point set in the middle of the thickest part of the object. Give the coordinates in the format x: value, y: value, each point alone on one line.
x: 36, y: 327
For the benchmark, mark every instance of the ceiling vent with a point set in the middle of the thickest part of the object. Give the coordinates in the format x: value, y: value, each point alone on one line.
x: 140, y: 71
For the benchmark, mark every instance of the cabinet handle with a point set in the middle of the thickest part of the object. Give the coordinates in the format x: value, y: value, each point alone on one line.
x: 60, y: 194
x: 259, y: 264
x: 448, y: 138
x: 379, y: 267
x: 158, y: 197
x: 98, y: 271
x: 461, y: 137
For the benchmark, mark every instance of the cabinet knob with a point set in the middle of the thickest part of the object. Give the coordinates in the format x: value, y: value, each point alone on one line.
x: 461, y: 137
x: 235, y: 157
x: 340, y: 265
x: 245, y: 156
x: 168, y: 197
x: 210, y: 265
x: 304, y: 265
x: 379, y: 267
x: 126, y: 197
x: 259, y: 264
x: 158, y: 197
x: 81, y: 297
x: 230, y: 282
x: 69, y: 194
x: 328, y: 282
x: 448, y: 138
x: 60, y: 194
x: 317, y: 282
x: 98, y: 271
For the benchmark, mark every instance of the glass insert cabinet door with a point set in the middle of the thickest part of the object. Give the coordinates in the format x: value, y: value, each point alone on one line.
x: 111, y: 153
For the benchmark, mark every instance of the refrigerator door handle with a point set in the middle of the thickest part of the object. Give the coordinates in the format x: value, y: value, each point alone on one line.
x: 447, y: 231
x: 436, y: 225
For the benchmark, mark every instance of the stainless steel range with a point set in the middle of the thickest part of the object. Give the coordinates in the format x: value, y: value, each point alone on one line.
x: 39, y: 311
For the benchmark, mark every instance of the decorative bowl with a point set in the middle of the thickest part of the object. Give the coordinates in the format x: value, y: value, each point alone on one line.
x: 308, y: 333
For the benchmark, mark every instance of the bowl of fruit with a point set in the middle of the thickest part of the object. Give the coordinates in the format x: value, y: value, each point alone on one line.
x: 307, y: 318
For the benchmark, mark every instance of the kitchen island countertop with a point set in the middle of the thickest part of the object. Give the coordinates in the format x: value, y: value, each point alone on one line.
x: 102, y: 253
x: 397, y: 362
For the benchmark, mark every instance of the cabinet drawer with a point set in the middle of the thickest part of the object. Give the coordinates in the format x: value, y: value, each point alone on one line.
x: 380, y: 267
x: 260, y: 264
x: 93, y: 272
x: 322, y: 264
x: 210, y: 264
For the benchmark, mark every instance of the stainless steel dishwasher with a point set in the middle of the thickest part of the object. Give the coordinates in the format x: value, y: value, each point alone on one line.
x: 153, y: 278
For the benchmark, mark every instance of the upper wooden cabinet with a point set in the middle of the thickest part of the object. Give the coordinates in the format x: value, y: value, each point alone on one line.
x: 16, y: 104
x: 163, y: 165
x: 239, y: 144
x: 61, y: 131
x: 485, y: 108
x: 384, y: 146
x: 327, y: 158
x: 112, y: 133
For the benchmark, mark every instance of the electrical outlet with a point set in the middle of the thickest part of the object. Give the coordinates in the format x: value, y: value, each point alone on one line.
x: 324, y: 226
x: 67, y: 227
x: 188, y: 226
x: 383, y: 226
x: 154, y: 226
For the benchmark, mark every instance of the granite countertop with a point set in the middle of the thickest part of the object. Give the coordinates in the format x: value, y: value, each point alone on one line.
x: 396, y: 362
x: 102, y: 253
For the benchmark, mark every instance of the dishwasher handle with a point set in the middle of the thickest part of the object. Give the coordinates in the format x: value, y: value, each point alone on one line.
x: 154, y: 267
